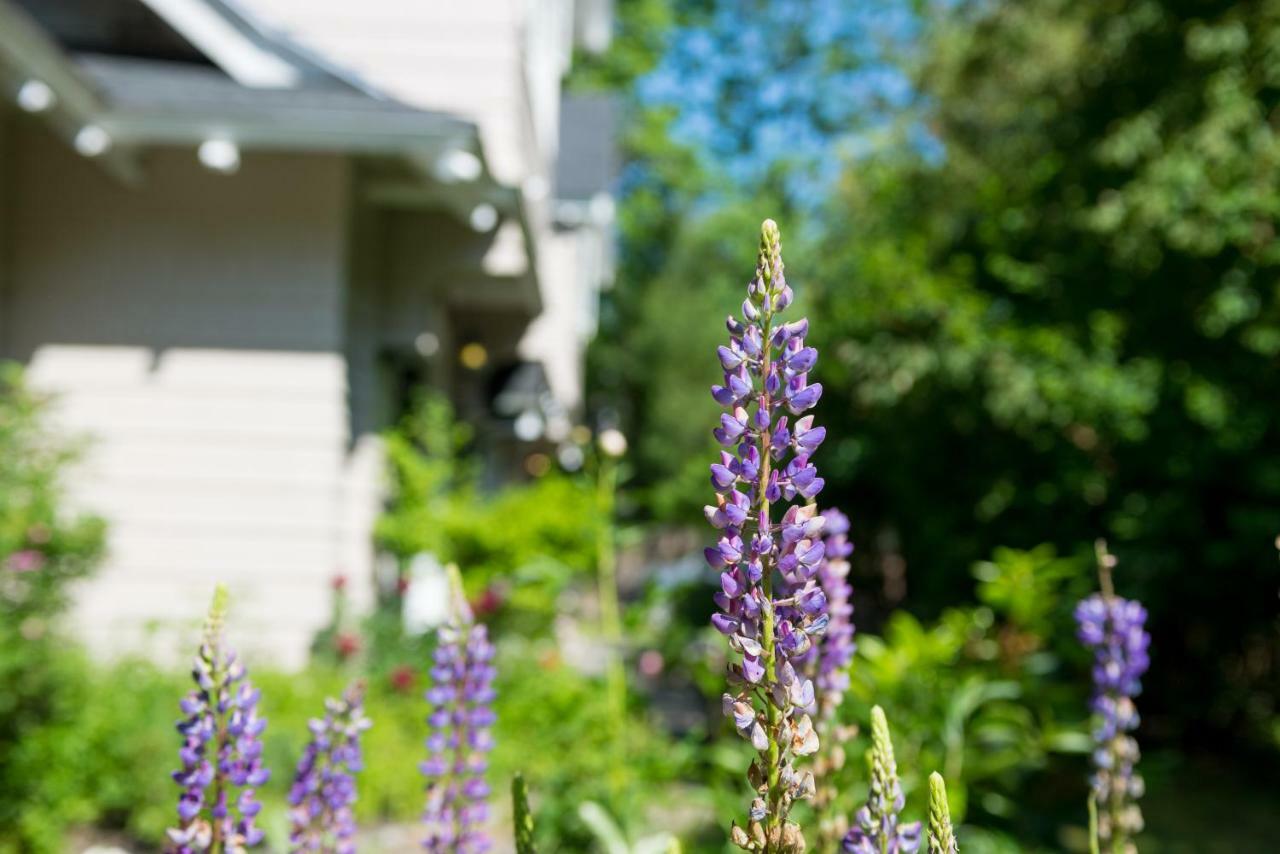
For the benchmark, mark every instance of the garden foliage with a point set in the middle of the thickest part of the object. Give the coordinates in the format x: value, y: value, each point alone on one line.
x: 1049, y: 304
x: 43, y: 549
x: 521, y: 545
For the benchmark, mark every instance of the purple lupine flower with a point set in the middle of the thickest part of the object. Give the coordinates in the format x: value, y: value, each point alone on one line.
x: 771, y: 605
x: 1114, y: 628
x: 461, y: 698
x: 221, y: 752
x: 324, y: 787
x: 877, y: 828
x: 835, y: 650
x: 827, y: 663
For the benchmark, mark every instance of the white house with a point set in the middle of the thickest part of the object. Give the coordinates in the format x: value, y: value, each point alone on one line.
x: 233, y: 237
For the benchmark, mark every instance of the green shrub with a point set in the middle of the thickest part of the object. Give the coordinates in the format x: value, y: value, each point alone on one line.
x: 519, y: 546
x: 42, y: 689
x: 980, y: 695
x: 108, y: 762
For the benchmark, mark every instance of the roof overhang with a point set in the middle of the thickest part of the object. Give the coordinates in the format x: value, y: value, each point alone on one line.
x: 130, y: 105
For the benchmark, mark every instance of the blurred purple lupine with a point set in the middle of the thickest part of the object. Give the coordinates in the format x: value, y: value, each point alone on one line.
x: 771, y: 605
x: 461, y: 717
x: 828, y: 664
x: 877, y: 828
x: 1114, y: 628
x: 221, y: 752
x: 324, y: 787
x: 836, y: 648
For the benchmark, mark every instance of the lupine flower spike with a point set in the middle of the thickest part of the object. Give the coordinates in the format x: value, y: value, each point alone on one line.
x: 1113, y: 627
x: 828, y: 664
x: 221, y: 752
x: 770, y: 604
x: 942, y: 838
x: 835, y: 650
x: 461, y: 717
x: 876, y: 828
x: 324, y: 788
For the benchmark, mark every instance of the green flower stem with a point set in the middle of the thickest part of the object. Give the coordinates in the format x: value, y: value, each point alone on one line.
x: 1093, y: 824
x: 1115, y: 805
x: 523, y: 817
x: 213, y: 635
x: 610, y: 611
x: 773, y: 820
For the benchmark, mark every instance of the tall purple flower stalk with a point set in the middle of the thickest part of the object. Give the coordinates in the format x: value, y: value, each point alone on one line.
x: 461, y: 718
x: 836, y: 648
x: 771, y: 606
x: 828, y: 664
x: 221, y: 751
x: 324, y: 787
x: 1114, y: 628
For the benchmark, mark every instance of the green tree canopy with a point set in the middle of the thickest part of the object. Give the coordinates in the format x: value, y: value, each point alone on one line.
x: 1069, y: 325
x: 1058, y: 319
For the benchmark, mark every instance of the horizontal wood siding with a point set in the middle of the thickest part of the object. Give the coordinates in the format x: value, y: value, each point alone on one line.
x: 499, y: 64
x: 192, y: 330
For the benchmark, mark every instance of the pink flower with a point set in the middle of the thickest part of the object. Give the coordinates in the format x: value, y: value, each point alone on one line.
x: 651, y: 663
x: 27, y: 560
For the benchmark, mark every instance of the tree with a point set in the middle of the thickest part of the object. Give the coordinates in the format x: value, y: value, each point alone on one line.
x: 1068, y: 325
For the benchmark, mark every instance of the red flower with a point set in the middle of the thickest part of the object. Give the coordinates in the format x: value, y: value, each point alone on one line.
x: 489, y: 600
x: 348, y: 644
x: 403, y: 677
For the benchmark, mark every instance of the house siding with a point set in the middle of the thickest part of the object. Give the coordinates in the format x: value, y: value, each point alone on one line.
x: 193, y: 330
x: 495, y: 62
x: 498, y: 63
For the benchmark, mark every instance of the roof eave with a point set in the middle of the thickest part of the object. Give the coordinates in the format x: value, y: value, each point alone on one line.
x: 26, y: 53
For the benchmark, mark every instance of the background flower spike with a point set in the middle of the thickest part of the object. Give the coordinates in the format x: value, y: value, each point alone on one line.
x: 221, y: 751
x: 323, y: 794
x: 876, y: 827
x: 1114, y: 628
x: 942, y: 837
x: 461, y: 721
